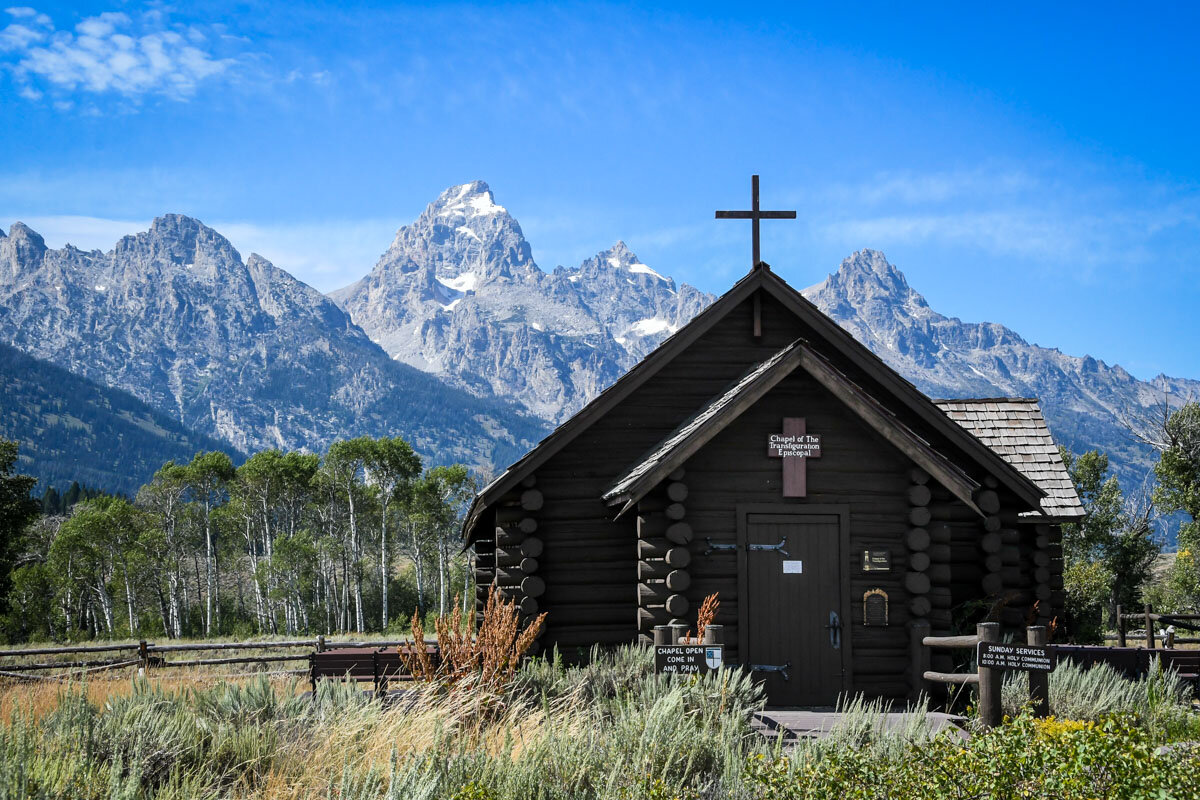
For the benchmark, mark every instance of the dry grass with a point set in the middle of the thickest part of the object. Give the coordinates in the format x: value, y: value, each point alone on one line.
x: 35, y: 699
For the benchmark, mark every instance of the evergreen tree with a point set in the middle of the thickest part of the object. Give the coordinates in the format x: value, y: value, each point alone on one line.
x: 17, y: 509
x: 51, y: 502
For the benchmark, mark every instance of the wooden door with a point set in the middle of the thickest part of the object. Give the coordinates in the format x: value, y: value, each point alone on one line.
x: 796, y: 628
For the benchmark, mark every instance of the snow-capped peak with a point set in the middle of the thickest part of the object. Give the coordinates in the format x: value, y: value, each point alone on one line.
x: 469, y: 199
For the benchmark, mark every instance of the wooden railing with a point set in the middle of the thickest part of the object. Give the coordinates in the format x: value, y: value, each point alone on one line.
x: 987, y: 680
x: 1148, y: 618
x: 147, y: 655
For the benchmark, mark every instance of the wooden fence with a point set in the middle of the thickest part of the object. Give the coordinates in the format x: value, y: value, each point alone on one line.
x: 988, y: 680
x: 1147, y: 618
x: 147, y: 655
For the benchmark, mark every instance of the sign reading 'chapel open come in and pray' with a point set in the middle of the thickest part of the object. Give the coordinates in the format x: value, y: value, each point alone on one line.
x: 795, y: 446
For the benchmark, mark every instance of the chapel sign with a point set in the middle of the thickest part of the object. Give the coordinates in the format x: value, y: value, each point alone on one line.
x: 795, y: 446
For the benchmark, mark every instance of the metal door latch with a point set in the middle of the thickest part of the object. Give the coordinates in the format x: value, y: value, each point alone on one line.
x: 779, y: 547
x: 835, y: 630
x: 782, y: 669
x: 713, y: 548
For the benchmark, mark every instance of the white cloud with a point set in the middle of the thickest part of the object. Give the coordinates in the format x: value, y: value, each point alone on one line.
x: 86, y: 233
x: 111, y: 53
x: 907, y: 187
x: 1007, y: 212
x: 1012, y: 232
x: 326, y: 254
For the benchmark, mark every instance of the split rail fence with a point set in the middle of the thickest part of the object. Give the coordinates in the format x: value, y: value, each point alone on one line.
x: 1148, y: 620
x: 147, y: 655
x: 988, y: 680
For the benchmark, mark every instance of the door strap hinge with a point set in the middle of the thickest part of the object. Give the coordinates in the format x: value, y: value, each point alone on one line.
x: 779, y: 547
x: 782, y: 669
x: 717, y: 548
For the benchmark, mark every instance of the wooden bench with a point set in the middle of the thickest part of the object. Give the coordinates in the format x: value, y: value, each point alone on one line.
x: 376, y: 664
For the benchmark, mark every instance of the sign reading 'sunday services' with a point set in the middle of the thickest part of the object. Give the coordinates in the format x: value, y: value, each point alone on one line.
x: 1027, y: 657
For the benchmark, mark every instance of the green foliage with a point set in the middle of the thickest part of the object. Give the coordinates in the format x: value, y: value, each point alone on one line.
x: 1024, y: 758
x: 286, y: 543
x: 17, y: 509
x: 555, y: 736
x: 1178, y: 467
x: 1178, y: 492
x: 1108, y: 554
x: 1159, y: 702
x: 55, y: 504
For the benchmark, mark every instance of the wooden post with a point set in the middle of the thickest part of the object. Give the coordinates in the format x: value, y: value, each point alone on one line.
x: 1149, y: 628
x: 1120, y: 627
x: 662, y: 635
x: 714, y: 634
x: 321, y: 643
x: 990, y: 710
x: 919, y: 653
x: 678, y: 631
x: 1039, y: 682
x: 144, y: 655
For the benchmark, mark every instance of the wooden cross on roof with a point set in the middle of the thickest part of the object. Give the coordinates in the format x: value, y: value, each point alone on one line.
x: 754, y: 215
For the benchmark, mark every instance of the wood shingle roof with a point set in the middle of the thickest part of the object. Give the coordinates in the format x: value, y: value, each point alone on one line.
x: 747, y: 390
x: 1015, y: 429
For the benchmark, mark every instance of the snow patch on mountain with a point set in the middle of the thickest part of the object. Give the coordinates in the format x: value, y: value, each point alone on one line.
x: 649, y: 327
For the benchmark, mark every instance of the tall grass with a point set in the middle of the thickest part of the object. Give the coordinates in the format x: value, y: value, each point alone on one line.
x: 606, y: 730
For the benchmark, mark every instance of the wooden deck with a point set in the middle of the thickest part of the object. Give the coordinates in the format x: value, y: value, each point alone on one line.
x: 795, y: 724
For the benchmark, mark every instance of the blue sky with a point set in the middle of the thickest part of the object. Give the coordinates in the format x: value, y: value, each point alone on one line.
x: 1033, y: 167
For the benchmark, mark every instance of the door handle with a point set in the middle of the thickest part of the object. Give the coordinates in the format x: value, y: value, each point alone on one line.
x: 835, y: 630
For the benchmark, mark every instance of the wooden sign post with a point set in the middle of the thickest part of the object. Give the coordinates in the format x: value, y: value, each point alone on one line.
x: 795, y: 446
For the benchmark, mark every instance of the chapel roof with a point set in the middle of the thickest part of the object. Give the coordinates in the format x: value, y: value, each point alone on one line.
x: 841, y: 343
x: 743, y: 393
x: 1014, y: 428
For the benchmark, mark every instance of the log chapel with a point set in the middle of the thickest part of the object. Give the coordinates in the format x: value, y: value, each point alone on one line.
x: 764, y: 454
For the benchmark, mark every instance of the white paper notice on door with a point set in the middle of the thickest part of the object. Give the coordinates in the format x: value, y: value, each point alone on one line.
x: 793, y: 567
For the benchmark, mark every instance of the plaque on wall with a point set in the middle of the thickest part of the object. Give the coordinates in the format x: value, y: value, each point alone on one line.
x: 877, y: 560
x: 875, y: 608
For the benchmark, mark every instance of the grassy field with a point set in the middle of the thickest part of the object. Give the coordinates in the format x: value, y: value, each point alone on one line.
x: 609, y: 730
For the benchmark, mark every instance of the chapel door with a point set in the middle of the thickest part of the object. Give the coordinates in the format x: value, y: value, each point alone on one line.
x: 796, y: 626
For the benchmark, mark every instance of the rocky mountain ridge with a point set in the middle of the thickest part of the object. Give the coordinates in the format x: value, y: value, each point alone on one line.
x: 1088, y: 403
x: 458, y: 294
x: 460, y: 342
x: 72, y: 429
x: 238, y: 350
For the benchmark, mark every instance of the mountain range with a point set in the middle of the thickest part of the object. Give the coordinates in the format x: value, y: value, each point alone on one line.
x: 458, y: 295
x: 460, y: 342
x: 72, y: 429
x: 237, y: 350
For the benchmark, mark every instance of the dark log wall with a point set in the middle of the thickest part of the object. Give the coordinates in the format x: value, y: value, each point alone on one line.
x: 590, y: 563
x: 858, y: 469
x: 598, y: 588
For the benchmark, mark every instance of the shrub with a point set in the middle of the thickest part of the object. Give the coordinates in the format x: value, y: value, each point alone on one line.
x: 1024, y: 758
x: 1159, y: 701
x: 488, y: 656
